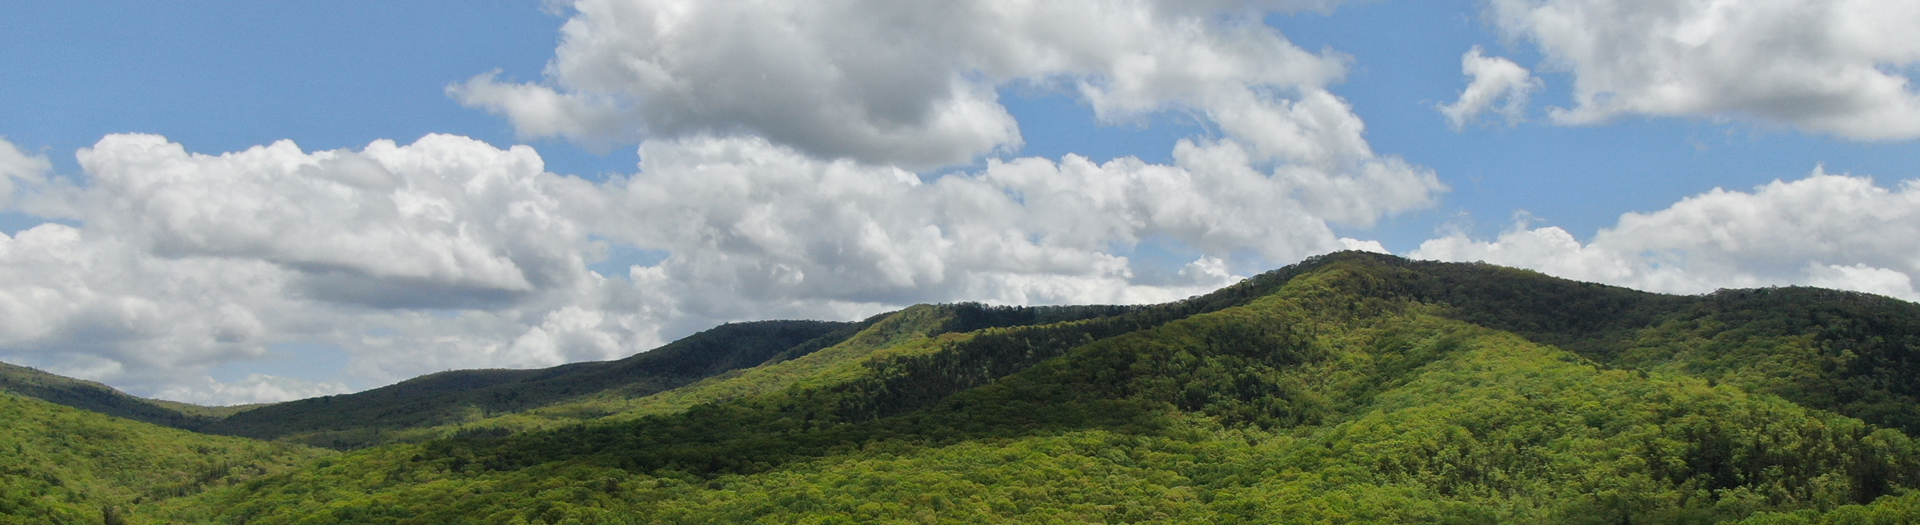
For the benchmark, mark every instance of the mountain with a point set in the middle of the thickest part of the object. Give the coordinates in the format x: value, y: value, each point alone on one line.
x: 485, y: 401
x: 1853, y: 353
x: 1351, y: 387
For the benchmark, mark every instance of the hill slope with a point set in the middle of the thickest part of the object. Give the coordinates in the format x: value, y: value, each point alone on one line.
x: 495, y: 401
x: 63, y: 465
x: 1853, y: 353
x: 1352, y: 387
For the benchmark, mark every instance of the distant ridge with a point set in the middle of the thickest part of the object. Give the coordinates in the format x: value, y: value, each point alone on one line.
x: 96, y: 397
x: 360, y: 419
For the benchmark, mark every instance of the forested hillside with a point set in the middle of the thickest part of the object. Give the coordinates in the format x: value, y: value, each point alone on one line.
x: 1352, y: 387
x: 63, y: 465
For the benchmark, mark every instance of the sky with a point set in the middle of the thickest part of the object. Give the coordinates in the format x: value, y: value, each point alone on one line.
x: 227, y: 202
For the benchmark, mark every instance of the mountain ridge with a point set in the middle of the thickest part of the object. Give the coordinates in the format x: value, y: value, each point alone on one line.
x: 96, y: 397
x: 359, y: 419
x: 1348, y: 387
x: 1334, y: 354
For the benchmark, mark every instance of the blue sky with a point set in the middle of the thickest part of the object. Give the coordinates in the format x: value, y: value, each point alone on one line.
x: 218, y: 77
x: 225, y: 76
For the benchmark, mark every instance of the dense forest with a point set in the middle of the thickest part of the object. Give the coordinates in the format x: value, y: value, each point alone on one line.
x: 1351, y: 387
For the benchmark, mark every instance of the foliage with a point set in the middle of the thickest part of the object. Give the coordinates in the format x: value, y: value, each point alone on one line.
x: 1890, y: 510
x: 63, y: 465
x: 1852, y: 353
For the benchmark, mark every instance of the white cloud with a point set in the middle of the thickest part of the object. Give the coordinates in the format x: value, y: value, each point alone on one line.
x: 185, y: 261
x: 17, y: 165
x: 770, y: 222
x: 102, y: 309
x: 451, y: 253
x: 778, y: 144
x: 1840, y: 67
x: 1825, y: 230
x: 1863, y: 278
x: 445, y: 222
x: 1365, y: 246
x: 255, y: 388
x: 914, y: 84
x: 1494, y: 79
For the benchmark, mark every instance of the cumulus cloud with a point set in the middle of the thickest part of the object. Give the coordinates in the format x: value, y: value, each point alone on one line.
x: 103, y: 309
x: 914, y: 84
x: 184, y: 261
x: 1836, y: 231
x: 1862, y: 278
x: 767, y: 222
x: 445, y: 222
x: 451, y: 253
x: 1494, y: 79
x: 779, y: 146
x: 255, y: 388
x: 1840, y: 67
x: 17, y: 165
